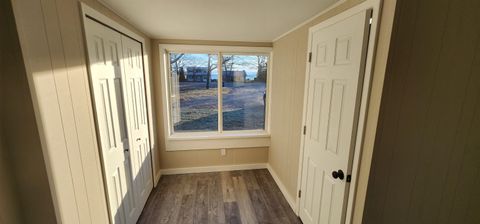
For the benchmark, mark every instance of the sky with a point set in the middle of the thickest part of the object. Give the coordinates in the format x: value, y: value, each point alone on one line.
x: 241, y: 62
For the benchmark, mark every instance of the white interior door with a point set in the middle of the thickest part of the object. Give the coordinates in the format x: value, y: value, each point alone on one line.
x: 137, y: 118
x: 333, y: 98
x: 105, y: 53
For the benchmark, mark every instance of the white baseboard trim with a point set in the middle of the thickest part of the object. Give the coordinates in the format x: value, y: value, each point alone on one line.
x: 291, y: 201
x: 206, y: 169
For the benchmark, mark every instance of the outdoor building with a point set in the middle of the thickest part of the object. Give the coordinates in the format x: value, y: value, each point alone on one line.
x: 200, y: 74
x: 234, y: 76
x: 197, y: 74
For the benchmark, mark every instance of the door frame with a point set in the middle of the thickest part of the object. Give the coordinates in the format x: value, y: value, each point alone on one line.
x: 375, y: 6
x: 89, y: 13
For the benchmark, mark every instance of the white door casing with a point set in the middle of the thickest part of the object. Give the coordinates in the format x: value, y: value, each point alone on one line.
x: 135, y: 95
x: 333, y: 100
x: 105, y: 53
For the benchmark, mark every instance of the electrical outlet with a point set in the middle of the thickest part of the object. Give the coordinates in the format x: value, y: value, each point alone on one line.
x: 223, y: 152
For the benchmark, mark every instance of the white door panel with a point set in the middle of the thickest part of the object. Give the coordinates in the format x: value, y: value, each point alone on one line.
x: 334, y: 84
x: 104, y: 48
x: 137, y: 118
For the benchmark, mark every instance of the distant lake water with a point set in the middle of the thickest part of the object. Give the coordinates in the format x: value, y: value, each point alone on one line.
x: 251, y: 75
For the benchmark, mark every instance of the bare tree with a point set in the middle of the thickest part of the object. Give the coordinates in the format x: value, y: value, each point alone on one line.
x: 210, y: 67
x: 177, y: 62
x: 261, y: 68
x: 227, y: 64
x: 176, y: 57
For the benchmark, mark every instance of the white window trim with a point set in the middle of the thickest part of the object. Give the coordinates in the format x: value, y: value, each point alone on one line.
x: 212, y: 140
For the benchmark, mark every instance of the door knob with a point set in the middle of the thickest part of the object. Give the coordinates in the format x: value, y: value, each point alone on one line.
x: 338, y: 174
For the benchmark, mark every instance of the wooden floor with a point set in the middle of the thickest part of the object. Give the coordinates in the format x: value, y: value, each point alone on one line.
x: 249, y: 196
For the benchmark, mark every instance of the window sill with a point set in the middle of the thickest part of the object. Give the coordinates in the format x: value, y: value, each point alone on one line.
x: 224, y: 135
x: 199, y: 141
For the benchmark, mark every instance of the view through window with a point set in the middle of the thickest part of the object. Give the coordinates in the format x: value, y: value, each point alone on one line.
x: 195, y: 98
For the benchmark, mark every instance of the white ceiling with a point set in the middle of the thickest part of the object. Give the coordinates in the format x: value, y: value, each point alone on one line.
x: 226, y: 20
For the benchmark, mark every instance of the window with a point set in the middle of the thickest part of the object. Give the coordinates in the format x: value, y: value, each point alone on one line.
x: 216, y: 92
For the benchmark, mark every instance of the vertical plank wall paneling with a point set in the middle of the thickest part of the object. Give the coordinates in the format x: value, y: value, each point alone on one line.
x: 51, y: 37
x: 23, y: 181
x: 426, y: 163
x: 9, y: 206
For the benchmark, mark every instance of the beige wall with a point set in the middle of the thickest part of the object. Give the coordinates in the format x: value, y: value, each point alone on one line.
x: 426, y: 162
x: 212, y: 157
x: 195, y: 158
x: 51, y: 37
x: 290, y: 53
x: 21, y: 157
x: 9, y: 208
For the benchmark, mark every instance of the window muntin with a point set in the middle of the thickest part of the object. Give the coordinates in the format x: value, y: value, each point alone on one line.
x: 198, y: 105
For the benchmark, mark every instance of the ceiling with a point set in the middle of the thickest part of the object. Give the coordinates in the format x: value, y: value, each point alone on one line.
x: 224, y: 20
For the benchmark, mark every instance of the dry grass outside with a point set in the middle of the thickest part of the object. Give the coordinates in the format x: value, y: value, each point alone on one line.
x: 243, y: 106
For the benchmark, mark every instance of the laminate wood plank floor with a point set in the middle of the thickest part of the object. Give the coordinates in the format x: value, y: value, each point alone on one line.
x: 237, y: 197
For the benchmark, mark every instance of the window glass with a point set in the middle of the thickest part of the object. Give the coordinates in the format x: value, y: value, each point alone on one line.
x: 193, y: 92
x: 244, y: 91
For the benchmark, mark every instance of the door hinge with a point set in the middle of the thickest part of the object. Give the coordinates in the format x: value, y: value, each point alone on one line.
x: 349, y: 178
x: 310, y: 57
x: 300, y: 194
x: 304, y: 130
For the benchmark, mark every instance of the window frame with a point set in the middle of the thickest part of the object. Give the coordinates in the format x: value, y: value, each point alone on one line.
x: 219, y: 138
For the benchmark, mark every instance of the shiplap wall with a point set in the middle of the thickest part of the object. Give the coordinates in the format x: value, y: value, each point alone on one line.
x: 24, y: 190
x: 53, y: 48
x: 426, y: 162
x: 9, y: 206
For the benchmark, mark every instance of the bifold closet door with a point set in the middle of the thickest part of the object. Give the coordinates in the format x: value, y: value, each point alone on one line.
x: 105, y: 55
x: 117, y: 79
x: 137, y: 118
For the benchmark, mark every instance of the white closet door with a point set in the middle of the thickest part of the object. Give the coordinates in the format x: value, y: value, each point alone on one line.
x: 335, y: 81
x: 137, y: 118
x: 105, y: 53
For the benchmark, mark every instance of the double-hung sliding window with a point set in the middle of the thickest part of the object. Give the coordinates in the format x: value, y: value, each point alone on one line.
x: 217, y: 92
